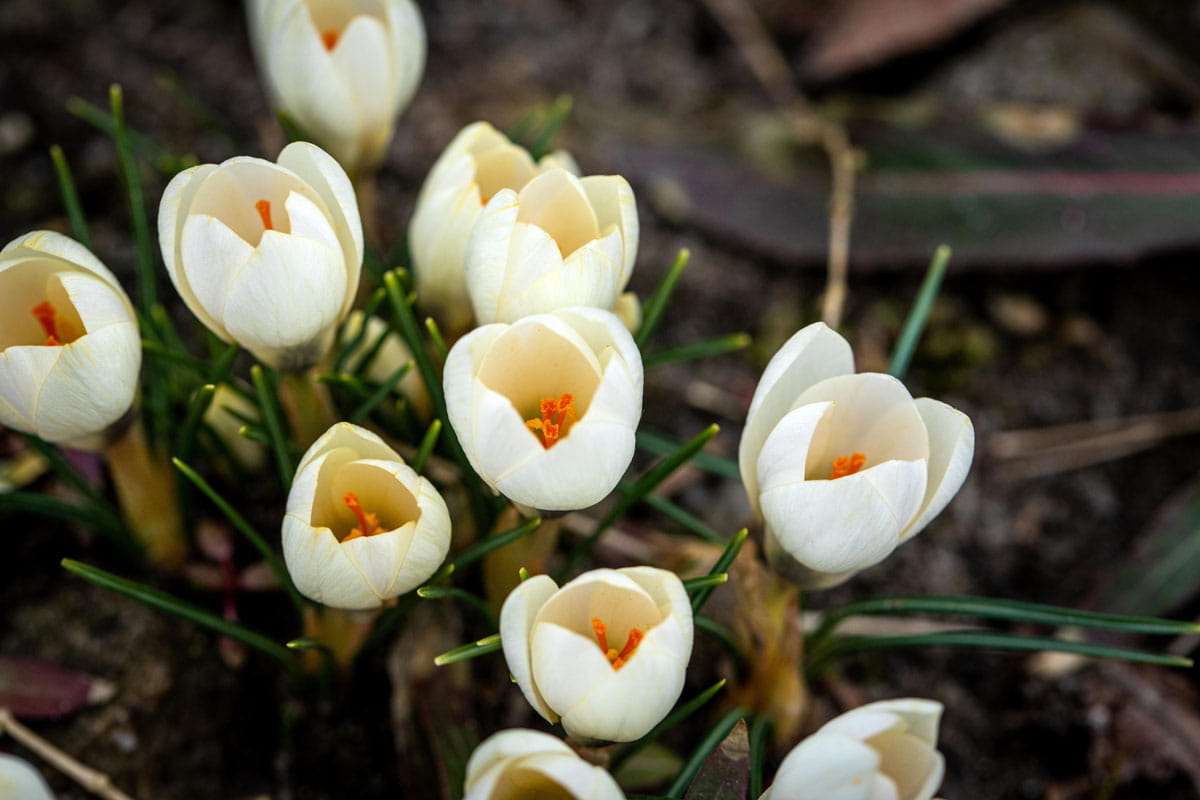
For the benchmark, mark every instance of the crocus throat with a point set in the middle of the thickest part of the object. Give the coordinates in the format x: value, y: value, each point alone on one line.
x: 330, y: 39
x: 45, y: 314
x: 368, y: 524
x: 263, y: 207
x: 617, y: 659
x: 557, y: 418
x: 847, y: 465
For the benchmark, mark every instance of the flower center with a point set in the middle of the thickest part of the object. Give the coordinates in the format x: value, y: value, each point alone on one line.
x: 45, y: 314
x: 847, y: 465
x: 557, y: 418
x: 368, y: 523
x: 330, y: 39
x: 617, y: 659
x: 263, y: 207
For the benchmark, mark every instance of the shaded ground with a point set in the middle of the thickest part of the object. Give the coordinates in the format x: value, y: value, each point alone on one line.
x: 1012, y: 347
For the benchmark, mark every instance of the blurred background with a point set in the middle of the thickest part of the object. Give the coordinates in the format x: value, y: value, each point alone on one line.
x: 1053, y: 144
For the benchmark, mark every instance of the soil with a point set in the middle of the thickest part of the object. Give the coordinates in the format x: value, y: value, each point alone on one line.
x: 1014, y: 347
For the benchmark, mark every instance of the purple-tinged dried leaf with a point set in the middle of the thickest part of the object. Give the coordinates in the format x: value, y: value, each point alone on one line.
x: 34, y: 689
x: 725, y: 774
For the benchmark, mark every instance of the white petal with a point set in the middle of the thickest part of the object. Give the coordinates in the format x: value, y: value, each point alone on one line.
x: 92, y: 384
x: 50, y: 243
x: 407, y: 48
x: 516, y: 629
x: 783, y: 457
x: 487, y: 253
x: 567, y: 666
x: 505, y: 746
x: 362, y: 56
x: 829, y: 766
x: 211, y: 253
x: 914, y: 766
x: 20, y: 781
x: 23, y: 371
x: 321, y: 568
x: 920, y: 716
x: 951, y: 447
x: 429, y: 545
x: 615, y: 205
x: 532, y: 255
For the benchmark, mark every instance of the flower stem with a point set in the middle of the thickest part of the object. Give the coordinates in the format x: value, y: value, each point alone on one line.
x: 307, y: 404
x: 336, y: 635
x: 145, y: 486
x: 500, y: 567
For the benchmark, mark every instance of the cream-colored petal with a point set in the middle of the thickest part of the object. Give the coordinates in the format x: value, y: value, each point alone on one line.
x: 50, y: 243
x: 93, y: 300
x: 920, y: 716
x: 307, y: 220
x: 459, y: 384
x: 667, y: 590
x: 505, y: 746
x: 488, y: 253
x: 813, y: 354
x: 951, y: 448
x: 532, y: 256
x: 612, y: 198
x: 499, y: 441
x: 362, y: 56
x: 23, y: 371
x: 211, y: 255
x: 590, y: 276
x: 784, y: 454
x: 429, y: 545
x: 407, y: 49
x: 516, y: 630
x: 567, y: 665
x: 559, y: 159
x: 321, y: 568
x: 830, y: 766
x: 914, y: 766
x: 20, y: 781
x: 556, y: 202
x: 91, y: 385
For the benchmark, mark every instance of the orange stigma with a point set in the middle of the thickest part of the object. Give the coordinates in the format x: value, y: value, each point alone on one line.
x: 330, y: 39
x: 45, y: 314
x: 368, y: 524
x: 263, y: 207
x: 847, y: 465
x: 617, y: 660
x: 557, y: 418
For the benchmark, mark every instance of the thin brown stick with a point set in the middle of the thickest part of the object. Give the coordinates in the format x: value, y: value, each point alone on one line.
x: 93, y: 780
x: 771, y: 69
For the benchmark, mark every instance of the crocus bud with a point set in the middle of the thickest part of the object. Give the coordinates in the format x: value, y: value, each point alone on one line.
x: 477, y: 164
x: 266, y: 255
x: 881, y: 751
x: 844, y: 467
x: 20, y: 781
x: 606, y: 653
x: 385, y: 352
x: 361, y: 526
x: 343, y: 71
x: 226, y: 416
x: 522, y: 763
x: 560, y: 241
x: 546, y: 408
x: 69, y: 345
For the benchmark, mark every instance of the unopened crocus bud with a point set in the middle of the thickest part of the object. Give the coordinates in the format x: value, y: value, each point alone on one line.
x: 342, y: 70
x: 265, y: 254
x: 475, y: 166
x: 560, y: 241
x: 606, y: 653
x: 385, y: 352
x: 20, y: 781
x: 881, y: 751
x: 69, y: 345
x: 843, y: 467
x: 546, y: 408
x: 227, y: 414
x: 527, y: 764
x: 361, y: 526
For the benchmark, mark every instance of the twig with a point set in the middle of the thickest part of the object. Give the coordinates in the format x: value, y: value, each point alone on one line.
x: 93, y: 780
x: 771, y: 69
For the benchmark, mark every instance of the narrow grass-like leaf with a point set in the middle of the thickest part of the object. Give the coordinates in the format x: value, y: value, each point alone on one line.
x: 488, y: 644
x: 640, y: 488
x: 347, y: 381
x: 721, y: 633
x: 246, y: 529
x: 435, y: 336
x: 676, y: 514
x: 201, y: 400
x: 145, y: 147
x: 709, y: 743
x: 156, y: 598
x: 380, y: 394
x: 327, y: 657
x: 708, y: 348
x: 661, y: 445
x: 425, y: 449
x: 482, y: 548
x: 721, y: 566
x: 996, y: 608
x: 70, y: 197
x: 146, y: 279
x: 291, y: 130
x: 177, y: 357
x: 657, y: 302
x: 96, y: 516
x: 670, y: 721
x: 840, y: 647
x: 918, y: 315
x: 351, y: 345
x: 255, y: 434
x: 693, y: 585
x: 267, y: 406
x: 223, y: 367
x: 438, y: 592
x: 555, y: 118
x: 760, y: 727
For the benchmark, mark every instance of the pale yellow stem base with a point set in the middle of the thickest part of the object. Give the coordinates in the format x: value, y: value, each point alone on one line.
x: 342, y: 632
x: 145, y: 486
x: 500, y: 567
x: 307, y: 404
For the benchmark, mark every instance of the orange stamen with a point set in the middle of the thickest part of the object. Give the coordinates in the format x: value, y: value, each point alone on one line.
x: 45, y: 314
x: 847, y: 465
x: 263, y: 207
x: 368, y: 524
x: 557, y: 418
x: 631, y: 644
x: 601, y: 632
x: 330, y: 39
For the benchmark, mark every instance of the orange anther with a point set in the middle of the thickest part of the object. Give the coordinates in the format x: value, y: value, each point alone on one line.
x: 601, y: 632
x: 263, y: 207
x: 557, y: 418
x: 330, y: 39
x: 368, y: 524
x: 847, y: 465
x: 45, y: 314
x: 631, y: 644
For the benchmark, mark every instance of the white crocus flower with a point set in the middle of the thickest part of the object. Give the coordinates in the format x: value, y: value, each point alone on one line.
x: 477, y: 164
x: 546, y: 408
x: 361, y: 526
x: 560, y: 241
x: 342, y: 69
x: 20, y: 781
x: 881, y: 751
x: 69, y: 345
x: 519, y: 763
x: 266, y: 255
x: 843, y: 467
x: 606, y: 653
